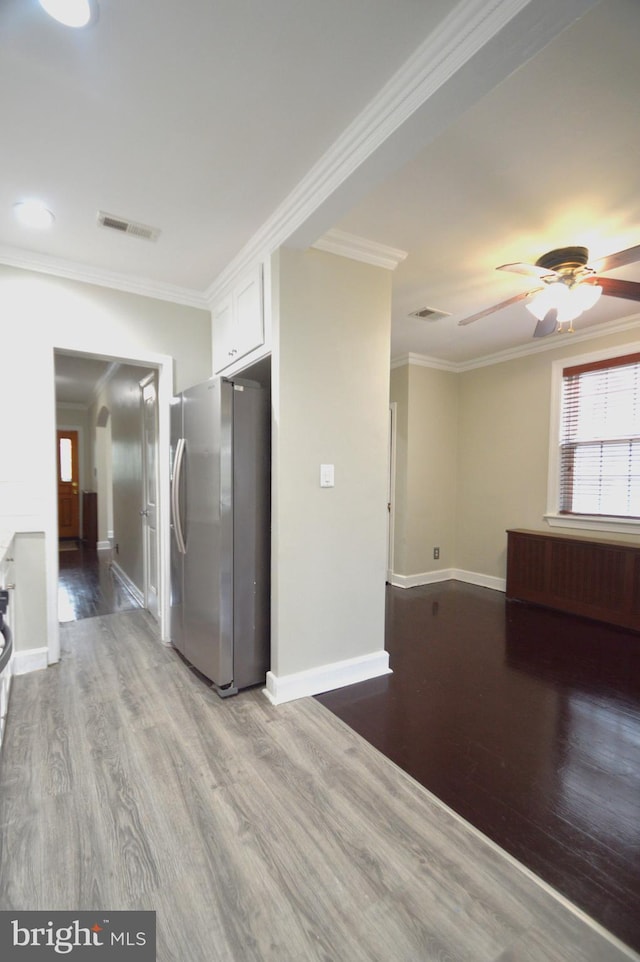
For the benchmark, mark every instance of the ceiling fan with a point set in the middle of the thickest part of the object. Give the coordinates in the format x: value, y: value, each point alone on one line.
x: 569, y: 286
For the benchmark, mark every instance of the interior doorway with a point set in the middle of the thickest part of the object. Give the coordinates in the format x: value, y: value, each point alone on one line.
x: 103, y: 400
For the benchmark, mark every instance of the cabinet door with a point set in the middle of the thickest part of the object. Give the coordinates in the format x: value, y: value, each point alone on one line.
x: 238, y: 321
x: 223, y: 349
x: 248, y: 313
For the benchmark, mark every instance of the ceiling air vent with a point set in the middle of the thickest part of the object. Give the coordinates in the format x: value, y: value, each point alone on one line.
x: 429, y: 314
x: 128, y: 226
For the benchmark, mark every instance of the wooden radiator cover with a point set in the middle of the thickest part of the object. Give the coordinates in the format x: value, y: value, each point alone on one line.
x: 597, y: 579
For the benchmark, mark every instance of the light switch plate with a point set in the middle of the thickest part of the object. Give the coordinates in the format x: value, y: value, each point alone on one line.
x: 327, y: 476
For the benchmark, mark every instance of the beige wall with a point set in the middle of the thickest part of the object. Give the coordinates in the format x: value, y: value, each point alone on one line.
x: 43, y: 313
x: 426, y: 464
x: 330, y: 400
x: 493, y: 473
x: 399, y: 394
x: 504, y: 451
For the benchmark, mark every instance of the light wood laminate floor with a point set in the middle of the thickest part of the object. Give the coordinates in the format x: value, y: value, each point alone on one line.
x: 255, y: 832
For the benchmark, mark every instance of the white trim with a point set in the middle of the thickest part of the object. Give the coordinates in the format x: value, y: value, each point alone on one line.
x: 103, y: 546
x: 131, y: 587
x: 391, y: 493
x: 74, y: 271
x: 423, y: 360
x: 360, y: 249
x: 551, y: 343
x: 300, y: 684
x: 552, y: 517
x: 449, y: 574
x: 33, y: 659
x: 589, y: 522
x: 422, y: 578
x: 483, y: 581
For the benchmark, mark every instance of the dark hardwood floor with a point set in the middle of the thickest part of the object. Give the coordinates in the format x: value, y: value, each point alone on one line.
x: 527, y: 723
x: 87, y: 586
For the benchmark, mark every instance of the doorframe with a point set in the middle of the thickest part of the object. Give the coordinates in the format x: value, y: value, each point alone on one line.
x: 146, y: 380
x: 391, y: 489
x: 163, y: 364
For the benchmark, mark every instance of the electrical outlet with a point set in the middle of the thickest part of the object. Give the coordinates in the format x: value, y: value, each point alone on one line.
x: 436, y: 554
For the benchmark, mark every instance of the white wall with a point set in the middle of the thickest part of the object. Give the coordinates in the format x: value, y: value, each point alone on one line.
x: 42, y: 313
x: 330, y: 402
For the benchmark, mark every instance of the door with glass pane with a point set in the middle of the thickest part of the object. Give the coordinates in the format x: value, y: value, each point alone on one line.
x: 68, y: 485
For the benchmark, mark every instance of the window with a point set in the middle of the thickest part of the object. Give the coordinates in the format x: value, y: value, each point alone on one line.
x: 599, y: 443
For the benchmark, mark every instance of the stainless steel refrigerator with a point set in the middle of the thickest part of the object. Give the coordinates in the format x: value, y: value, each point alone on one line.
x: 220, y: 540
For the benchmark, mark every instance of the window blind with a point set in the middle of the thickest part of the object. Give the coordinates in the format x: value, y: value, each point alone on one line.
x: 600, y: 438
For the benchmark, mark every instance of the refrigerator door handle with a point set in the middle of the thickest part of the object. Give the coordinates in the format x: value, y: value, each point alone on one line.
x: 175, y: 496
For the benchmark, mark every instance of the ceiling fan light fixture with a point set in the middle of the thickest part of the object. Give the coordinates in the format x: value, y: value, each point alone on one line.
x: 552, y: 297
x: 568, y: 301
x: 71, y: 13
x: 586, y: 295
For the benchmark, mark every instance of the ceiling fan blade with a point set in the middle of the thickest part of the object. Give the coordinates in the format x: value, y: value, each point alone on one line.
x: 496, y: 307
x: 530, y: 270
x: 618, y: 288
x: 630, y: 256
x: 548, y: 324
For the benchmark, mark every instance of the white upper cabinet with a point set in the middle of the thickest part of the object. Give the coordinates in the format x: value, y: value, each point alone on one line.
x: 238, y: 321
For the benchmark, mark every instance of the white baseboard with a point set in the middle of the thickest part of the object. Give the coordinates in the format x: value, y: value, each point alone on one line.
x: 33, y: 659
x: 449, y: 574
x: 484, y: 581
x: 300, y: 684
x: 132, y: 588
x: 424, y: 578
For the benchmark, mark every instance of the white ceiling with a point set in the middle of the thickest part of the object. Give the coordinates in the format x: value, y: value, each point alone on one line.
x: 77, y: 378
x: 203, y: 125
x: 194, y: 117
x: 547, y: 159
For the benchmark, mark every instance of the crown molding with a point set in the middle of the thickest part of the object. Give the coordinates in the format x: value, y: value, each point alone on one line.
x: 463, y: 32
x: 524, y: 350
x: 74, y: 271
x: 423, y: 360
x: 552, y: 343
x: 360, y: 249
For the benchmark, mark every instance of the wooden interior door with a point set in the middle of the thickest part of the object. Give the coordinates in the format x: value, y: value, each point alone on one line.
x: 68, y: 485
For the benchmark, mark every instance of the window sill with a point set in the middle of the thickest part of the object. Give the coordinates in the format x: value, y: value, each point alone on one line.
x: 588, y: 522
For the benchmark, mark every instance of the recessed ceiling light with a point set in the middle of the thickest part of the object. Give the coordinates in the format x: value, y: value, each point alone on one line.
x: 72, y: 13
x: 33, y: 213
